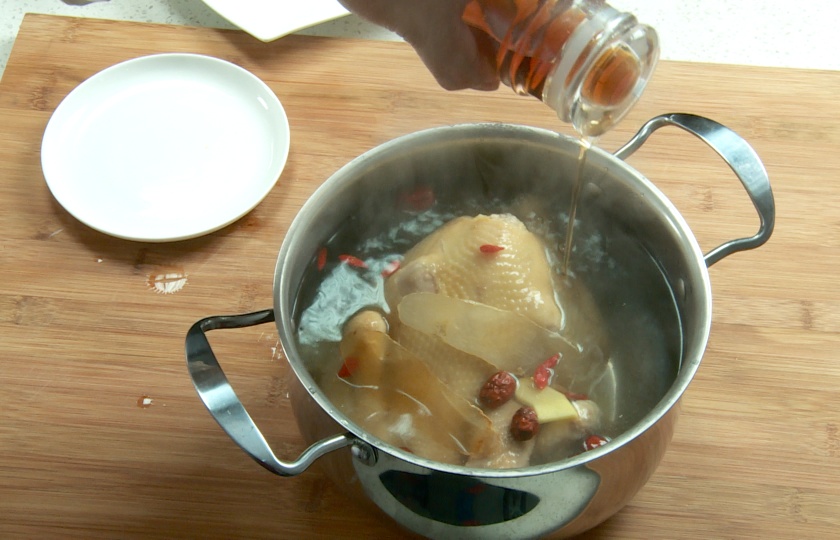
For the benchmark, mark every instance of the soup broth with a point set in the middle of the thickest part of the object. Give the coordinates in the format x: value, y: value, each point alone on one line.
x: 617, y: 307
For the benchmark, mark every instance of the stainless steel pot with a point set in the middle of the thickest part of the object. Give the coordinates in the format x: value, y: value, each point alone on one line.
x: 444, y: 501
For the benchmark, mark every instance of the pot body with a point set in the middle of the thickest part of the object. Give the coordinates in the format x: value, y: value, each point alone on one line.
x: 635, y: 222
x: 435, y: 502
x: 651, y: 257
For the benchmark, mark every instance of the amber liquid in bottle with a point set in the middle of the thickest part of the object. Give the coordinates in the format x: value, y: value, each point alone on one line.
x: 530, y: 36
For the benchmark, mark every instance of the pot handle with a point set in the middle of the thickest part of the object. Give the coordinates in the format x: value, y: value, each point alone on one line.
x: 740, y: 157
x: 218, y: 396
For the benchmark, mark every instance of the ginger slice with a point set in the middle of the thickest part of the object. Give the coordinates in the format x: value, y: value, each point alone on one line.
x: 398, y: 399
x: 549, y: 404
x: 507, y: 340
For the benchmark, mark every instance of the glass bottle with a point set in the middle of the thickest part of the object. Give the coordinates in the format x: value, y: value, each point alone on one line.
x: 584, y: 59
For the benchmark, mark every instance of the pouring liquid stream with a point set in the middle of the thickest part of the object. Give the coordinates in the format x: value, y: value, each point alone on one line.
x: 577, y: 187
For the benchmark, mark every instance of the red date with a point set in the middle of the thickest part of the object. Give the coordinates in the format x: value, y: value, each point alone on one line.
x: 497, y: 390
x: 525, y: 425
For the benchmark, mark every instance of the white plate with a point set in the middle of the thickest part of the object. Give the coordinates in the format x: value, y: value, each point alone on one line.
x: 165, y: 147
x: 272, y: 19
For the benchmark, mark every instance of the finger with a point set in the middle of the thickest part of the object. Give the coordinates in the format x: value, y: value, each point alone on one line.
x: 458, y: 56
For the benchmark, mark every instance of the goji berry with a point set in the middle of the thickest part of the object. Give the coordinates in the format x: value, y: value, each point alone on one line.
x: 350, y: 365
x: 352, y: 261
x: 392, y: 267
x: 594, y: 441
x: 419, y: 200
x: 542, y: 375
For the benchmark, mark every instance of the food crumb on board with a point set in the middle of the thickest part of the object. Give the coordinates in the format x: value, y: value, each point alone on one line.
x: 167, y: 280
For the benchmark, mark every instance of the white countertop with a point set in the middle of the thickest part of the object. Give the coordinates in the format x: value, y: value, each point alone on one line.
x: 783, y: 33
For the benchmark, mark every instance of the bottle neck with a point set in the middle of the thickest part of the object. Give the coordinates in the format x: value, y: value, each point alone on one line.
x: 603, y: 70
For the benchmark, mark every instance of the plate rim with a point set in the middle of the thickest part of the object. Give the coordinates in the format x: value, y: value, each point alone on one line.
x: 262, y: 27
x: 198, y: 61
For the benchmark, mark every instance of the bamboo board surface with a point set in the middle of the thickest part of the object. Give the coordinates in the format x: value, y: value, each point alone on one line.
x: 103, y: 435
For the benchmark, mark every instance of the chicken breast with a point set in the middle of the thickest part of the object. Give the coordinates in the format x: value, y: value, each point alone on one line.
x: 494, y: 260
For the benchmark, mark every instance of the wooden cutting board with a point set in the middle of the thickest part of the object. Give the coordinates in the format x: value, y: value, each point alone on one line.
x: 102, y: 434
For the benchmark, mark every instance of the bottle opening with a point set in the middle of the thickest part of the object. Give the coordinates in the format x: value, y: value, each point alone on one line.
x: 612, y: 78
x: 613, y: 57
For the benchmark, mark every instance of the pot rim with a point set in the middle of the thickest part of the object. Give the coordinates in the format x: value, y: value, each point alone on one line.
x: 284, y: 292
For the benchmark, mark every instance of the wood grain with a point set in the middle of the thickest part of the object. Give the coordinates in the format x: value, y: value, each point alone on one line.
x: 85, y: 338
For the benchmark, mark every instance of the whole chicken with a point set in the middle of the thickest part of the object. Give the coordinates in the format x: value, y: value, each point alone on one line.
x: 477, y: 296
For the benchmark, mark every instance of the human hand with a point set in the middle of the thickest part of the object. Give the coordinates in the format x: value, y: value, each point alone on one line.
x: 457, y: 55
